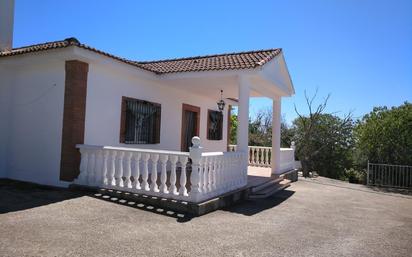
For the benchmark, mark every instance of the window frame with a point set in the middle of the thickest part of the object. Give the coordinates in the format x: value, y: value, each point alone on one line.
x: 208, y: 133
x: 123, y: 122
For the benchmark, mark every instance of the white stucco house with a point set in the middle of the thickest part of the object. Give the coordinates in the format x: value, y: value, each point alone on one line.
x: 67, y: 108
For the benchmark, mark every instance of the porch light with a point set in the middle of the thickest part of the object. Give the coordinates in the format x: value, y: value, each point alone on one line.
x: 221, y: 103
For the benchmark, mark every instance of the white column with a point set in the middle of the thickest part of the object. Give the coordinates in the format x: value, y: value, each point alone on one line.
x: 276, y: 135
x: 243, y: 115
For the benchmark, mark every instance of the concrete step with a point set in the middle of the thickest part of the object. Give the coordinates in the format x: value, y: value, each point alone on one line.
x: 268, y: 183
x: 195, y: 209
x: 270, y: 190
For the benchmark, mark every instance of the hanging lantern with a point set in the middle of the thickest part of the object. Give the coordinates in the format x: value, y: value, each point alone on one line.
x: 221, y: 103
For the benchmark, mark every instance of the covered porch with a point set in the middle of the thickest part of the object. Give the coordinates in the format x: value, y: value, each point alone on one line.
x: 199, y: 175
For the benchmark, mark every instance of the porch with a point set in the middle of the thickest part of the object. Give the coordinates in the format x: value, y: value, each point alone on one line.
x: 200, y: 171
x: 193, y: 177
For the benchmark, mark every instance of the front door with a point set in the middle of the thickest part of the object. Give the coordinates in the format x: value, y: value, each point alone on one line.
x: 190, y: 125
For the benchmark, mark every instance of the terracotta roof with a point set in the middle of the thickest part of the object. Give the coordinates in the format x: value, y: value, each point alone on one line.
x: 230, y: 61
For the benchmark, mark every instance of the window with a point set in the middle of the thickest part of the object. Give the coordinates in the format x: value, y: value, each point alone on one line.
x: 140, y: 122
x: 214, y: 125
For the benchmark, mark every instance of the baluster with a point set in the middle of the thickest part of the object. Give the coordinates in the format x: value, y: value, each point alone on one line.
x: 136, y: 171
x: 173, y: 161
x: 232, y: 171
x: 183, y: 190
x: 163, y: 176
x: 262, y: 157
x: 201, y: 172
x: 119, y: 170
x: 153, y: 174
x: 83, y: 165
x: 255, y: 163
x: 225, y: 172
x: 236, y: 176
x: 257, y: 156
x: 212, y: 174
x: 145, y: 175
x: 218, y: 174
x: 104, y: 179
x: 112, y: 169
x: 249, y: 155
x: 205, y: 180
x: 91, y: 168
x: 267, y: 157
x: 98, y: 168
x: 252, y: 157
x: 128, y: 170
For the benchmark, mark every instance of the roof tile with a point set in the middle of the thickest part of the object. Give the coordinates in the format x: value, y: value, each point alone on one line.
x: 229, y: 61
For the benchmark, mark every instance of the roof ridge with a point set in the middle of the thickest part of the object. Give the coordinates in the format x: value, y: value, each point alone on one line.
x: 70, y: 40
x: 210, y: 55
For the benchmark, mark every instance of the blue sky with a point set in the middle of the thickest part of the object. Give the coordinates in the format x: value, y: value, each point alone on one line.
x: 359, y: 51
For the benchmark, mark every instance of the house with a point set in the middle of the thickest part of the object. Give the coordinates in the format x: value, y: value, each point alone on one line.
x: 66, y: 107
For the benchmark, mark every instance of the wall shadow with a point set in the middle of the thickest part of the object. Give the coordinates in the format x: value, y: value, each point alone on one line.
x: 254, y: 206
x: 18, y: 196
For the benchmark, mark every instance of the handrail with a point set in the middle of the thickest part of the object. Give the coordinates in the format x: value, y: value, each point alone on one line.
x: 261, y: 156
x: 167, y: 174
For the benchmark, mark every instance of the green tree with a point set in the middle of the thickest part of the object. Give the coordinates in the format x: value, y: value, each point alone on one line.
x: 385, y: 136
x: 260, y: 130
x: 233, y: 129
x: 324, y: 141
x: 286, y: 134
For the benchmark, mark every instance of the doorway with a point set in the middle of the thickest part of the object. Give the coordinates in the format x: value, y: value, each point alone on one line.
x: 190, y: 125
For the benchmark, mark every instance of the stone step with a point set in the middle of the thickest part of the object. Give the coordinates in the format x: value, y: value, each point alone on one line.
x: 268, y: 183
x: 270, y: 190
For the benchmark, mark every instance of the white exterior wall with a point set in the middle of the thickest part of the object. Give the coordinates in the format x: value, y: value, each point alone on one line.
x: 103, y: 109
x: 31, y: 101
x: 5, y: 91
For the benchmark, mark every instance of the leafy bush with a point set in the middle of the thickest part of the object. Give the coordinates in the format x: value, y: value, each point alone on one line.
x: 385, y: 136
x: 356, y: 176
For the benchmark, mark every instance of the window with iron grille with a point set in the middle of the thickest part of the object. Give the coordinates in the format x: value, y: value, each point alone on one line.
x: 140, y: 122
x: 214, y: 125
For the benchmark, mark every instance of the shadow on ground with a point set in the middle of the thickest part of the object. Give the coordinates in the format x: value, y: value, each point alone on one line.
x: 391, y: 190
x: 18, y: 196
x: 179, y: 216
x: 252, y: 207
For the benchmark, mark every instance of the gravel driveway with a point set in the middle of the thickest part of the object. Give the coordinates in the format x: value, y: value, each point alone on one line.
x: 313, y: 217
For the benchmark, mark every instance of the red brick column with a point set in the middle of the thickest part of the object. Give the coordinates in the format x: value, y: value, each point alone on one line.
x: 73, y: 118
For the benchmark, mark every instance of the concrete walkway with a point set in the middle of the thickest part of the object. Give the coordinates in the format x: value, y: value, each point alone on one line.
x: 313, y: 217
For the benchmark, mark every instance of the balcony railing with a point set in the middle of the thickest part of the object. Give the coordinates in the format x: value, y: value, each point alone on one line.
x: 261, y: 156
x: 190, y: 176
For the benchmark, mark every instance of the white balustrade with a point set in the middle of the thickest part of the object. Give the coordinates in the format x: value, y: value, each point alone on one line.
x: 155, y: 173
x: 261, y: 156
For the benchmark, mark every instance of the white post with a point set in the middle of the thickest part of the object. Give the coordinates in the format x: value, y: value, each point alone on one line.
x: 195, y: 156
x: 276, y: 136
x: 243, y: 115
x: 293, y: 146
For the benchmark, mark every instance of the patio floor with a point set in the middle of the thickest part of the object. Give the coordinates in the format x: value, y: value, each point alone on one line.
x: 258, y: 175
